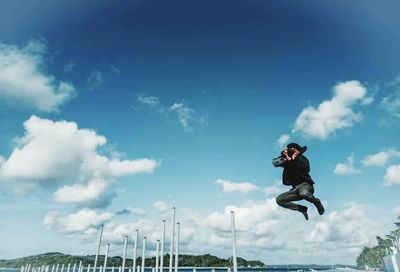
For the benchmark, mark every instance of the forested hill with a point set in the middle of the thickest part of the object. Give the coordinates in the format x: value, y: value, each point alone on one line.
x: 184, y: 261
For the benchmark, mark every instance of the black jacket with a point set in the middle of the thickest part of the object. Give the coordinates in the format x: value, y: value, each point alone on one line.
x: 296, y: 171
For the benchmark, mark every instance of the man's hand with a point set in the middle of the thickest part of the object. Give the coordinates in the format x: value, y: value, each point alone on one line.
x: 285, y: 153
x: 294, y: 155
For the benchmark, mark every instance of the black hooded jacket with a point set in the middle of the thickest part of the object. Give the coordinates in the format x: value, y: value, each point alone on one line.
x: 296, y: 171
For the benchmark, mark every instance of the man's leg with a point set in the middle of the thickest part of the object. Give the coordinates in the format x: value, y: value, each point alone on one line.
x: 306, y: 192
x: 285, y: 200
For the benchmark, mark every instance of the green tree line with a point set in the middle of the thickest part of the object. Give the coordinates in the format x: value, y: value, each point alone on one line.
x: 373, y: 256
x: 54, y: 258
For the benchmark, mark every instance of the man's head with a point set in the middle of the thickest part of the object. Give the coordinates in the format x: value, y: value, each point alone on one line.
x: 294, y: 145
x: 296, y: 148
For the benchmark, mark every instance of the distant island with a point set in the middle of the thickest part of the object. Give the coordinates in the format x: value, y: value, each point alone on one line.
x: 53, y: 258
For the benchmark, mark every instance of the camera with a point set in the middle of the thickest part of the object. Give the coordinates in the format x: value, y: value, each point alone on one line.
x: 279, y: 161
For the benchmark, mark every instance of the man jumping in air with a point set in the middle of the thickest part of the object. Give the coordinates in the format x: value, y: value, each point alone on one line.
x: 296, y: 168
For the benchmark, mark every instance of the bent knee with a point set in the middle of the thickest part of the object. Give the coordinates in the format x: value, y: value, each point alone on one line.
x: 279, y: 200
x: 306, y: 195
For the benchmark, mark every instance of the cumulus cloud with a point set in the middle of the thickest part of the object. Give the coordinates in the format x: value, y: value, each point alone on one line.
x: 392, y: 175
x: 82, y: 221
x: 264, y: 228
x: 86, y: 224
x: 95, y: 79
x: 187, y: 116
x: 23, y: 81
x: 283, y: 140
x: 275, y: 188
x: 243, y: 187
x: 344, y: 227
x: 382, y: 158
x: 61, y: 152
x: 347, y: 168
x: 334, y: 114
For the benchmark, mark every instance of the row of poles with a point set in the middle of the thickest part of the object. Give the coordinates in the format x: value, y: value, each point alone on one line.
x: 159, y: 266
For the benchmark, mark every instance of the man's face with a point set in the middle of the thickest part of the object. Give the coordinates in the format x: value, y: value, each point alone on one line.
x: 293, y: 152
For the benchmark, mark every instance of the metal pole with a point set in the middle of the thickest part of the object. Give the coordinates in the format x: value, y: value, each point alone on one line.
x: 68, y: 267
x: 124, y: 254
x: 177, y: 246
x: 157, y: 254
x: 73, y: 269
x: 62, y: 268
x: 105, y: 258
x: 171, y: 250
x: 234, y: 259
x: 135, y: 250
x: 57, y: 267
x: 143, y: 253
x: 162, y: 249
x: 88, y: 268
x: 98, y: 248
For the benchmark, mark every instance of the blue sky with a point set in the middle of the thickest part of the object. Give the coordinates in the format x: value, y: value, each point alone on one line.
x: 114, y: 113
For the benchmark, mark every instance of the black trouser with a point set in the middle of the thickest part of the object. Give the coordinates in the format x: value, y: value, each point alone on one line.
x: 302, y: 191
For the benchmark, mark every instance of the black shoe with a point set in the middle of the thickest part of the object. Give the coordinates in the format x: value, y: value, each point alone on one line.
x: 320, y: 208
x: 303, y: 210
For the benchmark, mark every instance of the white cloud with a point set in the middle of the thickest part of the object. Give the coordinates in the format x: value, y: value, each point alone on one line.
x: 391, y: 103
x: 161, y: 206
x: 264, y: 228
x: 347, y: 226
x: 24, y: 82
x: 275, y: 188
x: 347, y: 168
x: 392, y: 176
x: 187, y: 117
x: 246, y: 217
x: 397, y: 210
x: 335, y: 114
x: 79, y: 193
x: 151, y: 101
x: 283, y: 140
x: 95, y: 79
x: 243, y: 187
x: 86, y: 224
x: 382, y: 158
x: 81, y: 221
x: 61, y: 152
